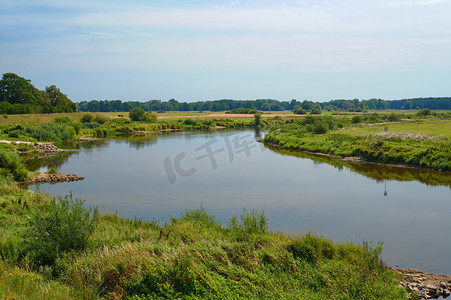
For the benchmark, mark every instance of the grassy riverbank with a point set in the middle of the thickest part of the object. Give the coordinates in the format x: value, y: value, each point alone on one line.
x: 57, y: 250
x: 420, y: 143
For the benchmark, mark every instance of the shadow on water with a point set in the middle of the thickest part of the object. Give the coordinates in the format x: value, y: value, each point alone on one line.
x: 379, y: 172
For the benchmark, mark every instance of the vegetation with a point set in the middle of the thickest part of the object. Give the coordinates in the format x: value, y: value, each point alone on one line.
x: 404, y: 144
x: 19, y: 96
x: 194, y: 256
x: 11, y: 166
x: 250, y: 106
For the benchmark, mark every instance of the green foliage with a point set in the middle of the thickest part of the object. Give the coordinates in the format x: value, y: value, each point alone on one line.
x: 257, y: 119
x: 87, y: 118
x: 200, y: 216
x: 63, y: 225
x: 424, y: 112
x: 62, y: 120
x: 10, y: 164
x: 316, y: 111
x: 148, y: 117
x: 19, y: 96
x: 100, y: 119
x: 136, y: 114
x: 299, y: 111
x: 52, y: 171
x: 251, y: 222
x: 320, y: 127
x: 431, y: 152
x: 356, y: 119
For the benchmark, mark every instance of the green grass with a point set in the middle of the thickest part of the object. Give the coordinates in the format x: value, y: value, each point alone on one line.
x: 193, y: 256
x: 420, y: 143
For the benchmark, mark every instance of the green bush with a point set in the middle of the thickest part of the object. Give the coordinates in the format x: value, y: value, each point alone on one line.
x: 320, y: 127
x: 62, y: 120
x: 64, y: 225
x: 424, y: 112
x: 52, y: 171
x: 87, y: 118
x: 251, y: 222
x: 11, y: 165
x: 316, y: 111
x: 356, y: 119
x: 148, y: 117
x: 136, y: 114
x: 100, y: 119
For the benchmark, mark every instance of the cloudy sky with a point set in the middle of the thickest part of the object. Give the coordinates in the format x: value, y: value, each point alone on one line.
x: 205, y: 50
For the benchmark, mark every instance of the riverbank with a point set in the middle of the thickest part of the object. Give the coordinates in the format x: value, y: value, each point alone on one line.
x: 192, y: 256
x: 425, y: 285
x: 424, y: 150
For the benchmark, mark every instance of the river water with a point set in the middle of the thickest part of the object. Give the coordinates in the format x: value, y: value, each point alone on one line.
x: 155, y: 177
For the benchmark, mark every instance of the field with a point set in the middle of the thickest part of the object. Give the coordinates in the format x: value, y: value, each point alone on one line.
x: 422, y: 143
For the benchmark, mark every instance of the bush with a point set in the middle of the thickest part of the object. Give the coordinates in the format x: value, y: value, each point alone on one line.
x: 251, y: 222
x: 316, y: 111
x: 136, y: 114
x: 52, y: 171
x: 356, y: 119
x: 11, y: 165
x: 64, y: 225
x: 320, y: 127
x: 100, y: 119
x: 62, y: 120
x: 87, y: 118
x: 424, y: 112
x: 148, y: 117
x: 299, y: 111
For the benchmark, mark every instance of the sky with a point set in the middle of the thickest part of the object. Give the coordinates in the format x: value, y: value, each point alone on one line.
x: 315, y: 50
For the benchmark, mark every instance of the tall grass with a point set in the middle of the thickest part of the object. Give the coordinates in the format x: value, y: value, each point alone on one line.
x: 192, y: 257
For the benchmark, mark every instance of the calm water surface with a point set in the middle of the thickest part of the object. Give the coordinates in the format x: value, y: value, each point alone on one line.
x: 160, y: 176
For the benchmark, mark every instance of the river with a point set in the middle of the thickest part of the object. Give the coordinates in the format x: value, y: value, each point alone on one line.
x: 155, y: 177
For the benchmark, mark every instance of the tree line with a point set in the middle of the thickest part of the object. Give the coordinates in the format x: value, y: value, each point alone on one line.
x: 19, y: 96
x: 355, y: 105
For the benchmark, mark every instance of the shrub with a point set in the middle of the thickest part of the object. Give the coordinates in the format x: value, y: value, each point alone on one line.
x: 320, y: 127
x: 148, y: 117
x: 62, y: 120
x: 87, y: 118
x: 356, y: 119
x: 136, y: 114
x: 52, y: 171
x: 251, y: 222
x: 5, y: 116
x: 316, y: 111
x: 76, y: 127
x: 299, y: 111
x: 424, y: 112
x: 63, y: 225
x: 100, y: 119
x: 11, y: 164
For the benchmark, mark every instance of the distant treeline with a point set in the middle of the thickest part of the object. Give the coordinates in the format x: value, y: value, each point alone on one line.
x: 19, y: 96
x: 264, y: 105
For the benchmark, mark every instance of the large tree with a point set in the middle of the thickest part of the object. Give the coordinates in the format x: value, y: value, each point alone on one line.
x: 19, y: 96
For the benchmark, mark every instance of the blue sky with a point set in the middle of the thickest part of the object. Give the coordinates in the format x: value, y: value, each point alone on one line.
x: 204, y: 50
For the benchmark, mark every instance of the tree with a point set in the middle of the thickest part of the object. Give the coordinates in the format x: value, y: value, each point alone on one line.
x: 136, y: 114
x: 58, y: 100
x: 258, y: 117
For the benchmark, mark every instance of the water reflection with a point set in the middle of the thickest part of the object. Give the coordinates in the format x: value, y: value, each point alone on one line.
x: 377, y: 171
x: 325, y: 196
